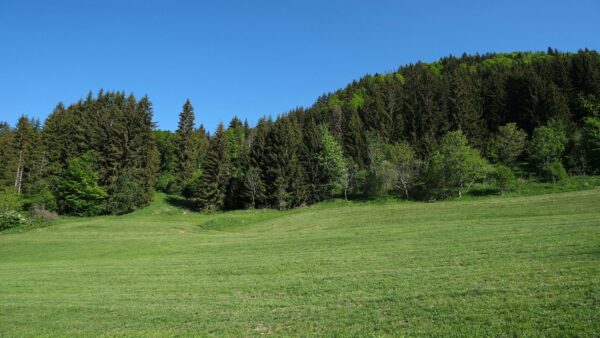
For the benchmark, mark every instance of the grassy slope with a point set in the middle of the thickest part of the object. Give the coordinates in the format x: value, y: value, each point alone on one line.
x: 518, y: 265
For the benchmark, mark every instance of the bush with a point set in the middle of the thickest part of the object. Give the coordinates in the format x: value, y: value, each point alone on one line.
x: 164, y: 182
x: 504, y: 179
x: 191, y: 187
x: 77, y: 190
x: 10, y: 200
x: 554, y: 171
x: 41, y: 200
x: 11, y: 219
x: 40, y: 213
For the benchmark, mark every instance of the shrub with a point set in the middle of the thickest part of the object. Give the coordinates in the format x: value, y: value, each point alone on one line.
x: 39, y: 213
x: 164, y: 182
x: 10, y: 200
x: 504, y: 179
x: 41, y: 200
x: 554, y: 171
x: 77, y: 190
x: 454, y: 166
x: 191, y: 187
x: 11, y: 219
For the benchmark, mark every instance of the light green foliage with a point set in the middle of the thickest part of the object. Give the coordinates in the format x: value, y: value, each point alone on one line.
x: 399, y: 77
x: 164, y: 181
x: 590, y: 105
x: 332, y: 161
x: 10, y: 219
x: 547, y: 144
x: 10, y: 206
x: 554, y: 171
x: 358, y: 99
x: 77, y: 190
x: 501, y: 266
x: 435, y: 68
x: 334, y: 101
x: 382, y: 174
x: 497, y: 60
x: 504, y: 179
x: 10, y: 200
x: 508, y: 144
x: 454, y: 166
x: 392, y: 167
x: 407, y: 166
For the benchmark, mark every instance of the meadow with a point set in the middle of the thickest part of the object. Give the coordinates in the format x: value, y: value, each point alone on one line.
x: 494, y: 266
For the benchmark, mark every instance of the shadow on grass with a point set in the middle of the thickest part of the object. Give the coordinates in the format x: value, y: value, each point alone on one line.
x: 484, y: 192
x: 180, y: 202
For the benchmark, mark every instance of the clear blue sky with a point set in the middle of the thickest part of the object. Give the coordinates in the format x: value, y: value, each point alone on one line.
x: 253, y: 58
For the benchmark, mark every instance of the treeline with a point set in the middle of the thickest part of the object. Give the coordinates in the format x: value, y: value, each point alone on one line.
x: 93, y: 157
x: 426, y: 131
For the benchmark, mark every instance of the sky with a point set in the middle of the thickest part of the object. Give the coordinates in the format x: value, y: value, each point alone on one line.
x: 253, y: 58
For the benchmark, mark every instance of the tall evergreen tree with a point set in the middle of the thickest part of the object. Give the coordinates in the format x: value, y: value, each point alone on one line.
x: 216, y: 173
x: 184, y: 167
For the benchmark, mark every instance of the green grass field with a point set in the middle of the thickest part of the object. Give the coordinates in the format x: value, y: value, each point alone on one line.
x: 499, y: 266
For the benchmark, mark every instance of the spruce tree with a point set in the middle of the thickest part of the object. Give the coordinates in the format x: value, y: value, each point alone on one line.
x: 216, y: 173
x: 311, y: 147
x: 258, y: 163
x: 184, y: 167
x: 354, y: 140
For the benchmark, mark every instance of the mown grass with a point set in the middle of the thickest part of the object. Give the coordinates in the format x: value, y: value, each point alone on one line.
x: 493, y: 266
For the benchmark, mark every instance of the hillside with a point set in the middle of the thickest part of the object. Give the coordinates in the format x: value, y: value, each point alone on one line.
x: 505, y: 266
x: 491, y: 117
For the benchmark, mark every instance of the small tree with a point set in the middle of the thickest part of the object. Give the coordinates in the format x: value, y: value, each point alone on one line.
x: 547, y: 146
x: 332, y: 162
x: 349, y: 176
x: 407, y: 166
x: 77, y: 191
x: 454, y: 166
x: 254, y: 184
x: 382, y: 175
x: 554, y: 171
x: 10, y: 200
x: 507, y: 144
x: 504, y: 178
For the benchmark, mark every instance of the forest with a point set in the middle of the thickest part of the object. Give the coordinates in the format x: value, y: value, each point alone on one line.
x: 427, y: 131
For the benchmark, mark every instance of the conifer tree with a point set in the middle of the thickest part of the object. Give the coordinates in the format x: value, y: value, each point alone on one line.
x: 285, y: 175
x: 184, y: 167
x: 257, y: 162
x: 216, y: 173
x: 237, y: 153
x: 311, y: 147
x: 7, y: 155
x: 354, y: 140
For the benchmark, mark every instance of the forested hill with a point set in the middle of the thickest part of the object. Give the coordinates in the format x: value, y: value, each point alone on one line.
x: 428, y: 130
x: 477, y: 94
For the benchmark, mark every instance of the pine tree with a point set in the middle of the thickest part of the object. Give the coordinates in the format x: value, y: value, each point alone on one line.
x: 7, y: 156
x: 238, y: 159
x: 258, y: 162
x: 285, y: 175
x: 311, y: 146
x: 465, y: 107
x: 354, y: 140
x: 184, y: 167
x: 216, y: 173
